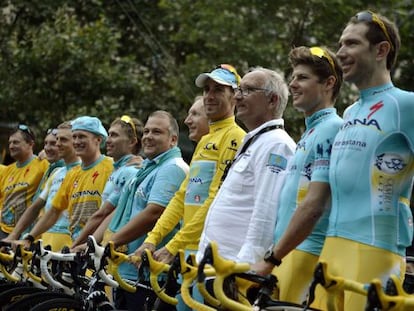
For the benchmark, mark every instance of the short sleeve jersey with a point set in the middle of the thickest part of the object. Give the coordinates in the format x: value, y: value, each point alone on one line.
x: 311, y: 163
x: 157, y: 188
x: 118, y: 179
x: 52, y: 187
x: 372, y: 170
x: 20, y: 182
x: 81, y: 192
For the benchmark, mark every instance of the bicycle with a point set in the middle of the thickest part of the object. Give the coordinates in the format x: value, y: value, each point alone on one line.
x: 67, y: 284
x: 222, y: 269
x: 225, y: 268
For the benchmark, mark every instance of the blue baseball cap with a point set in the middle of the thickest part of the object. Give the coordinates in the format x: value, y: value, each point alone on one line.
x: 90, y: 124
x: 224, y: 74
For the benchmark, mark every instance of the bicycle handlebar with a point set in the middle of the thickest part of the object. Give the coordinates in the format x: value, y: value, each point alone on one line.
x: 156, y: 268
x: 332, y: 285
x: 114, y: 260
x: 379, y: 300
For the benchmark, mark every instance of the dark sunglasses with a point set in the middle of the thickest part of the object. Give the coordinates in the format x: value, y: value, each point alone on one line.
x: 371, y: 17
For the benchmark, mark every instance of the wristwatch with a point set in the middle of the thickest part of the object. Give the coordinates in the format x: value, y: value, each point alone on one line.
x: 270, y: 258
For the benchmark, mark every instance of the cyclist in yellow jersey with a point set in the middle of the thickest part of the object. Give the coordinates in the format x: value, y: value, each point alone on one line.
x: 20, y: 179
x: 51, y: 154
x: 213, y: 152
x: 82, y: 188
x: 58, y: 235
x: 124, y: 143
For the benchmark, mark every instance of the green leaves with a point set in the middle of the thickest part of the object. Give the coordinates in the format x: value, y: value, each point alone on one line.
x: 60, y: 59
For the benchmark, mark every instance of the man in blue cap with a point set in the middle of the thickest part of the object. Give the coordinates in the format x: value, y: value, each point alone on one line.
x: 82, y: 188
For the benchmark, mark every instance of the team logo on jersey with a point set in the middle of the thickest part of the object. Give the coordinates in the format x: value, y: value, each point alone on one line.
x: 94, y: 176
x: 301, y: 145
x: 374, y: 108
x: 210, y: 146
x: 233, y: 145
x: 390, y: 163
x: 307, y: 171
x: 324, y: 148
x: 26, y: 172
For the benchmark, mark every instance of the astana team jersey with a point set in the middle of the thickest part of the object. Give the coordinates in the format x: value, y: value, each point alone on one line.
x: 19, y: 184
x: 372, y: 170
x: 120, y: 175
x: 158, y: 188
x: 310, y: 163
x: 52, y: 186
x: 81, y: 192
x: 191, y: 202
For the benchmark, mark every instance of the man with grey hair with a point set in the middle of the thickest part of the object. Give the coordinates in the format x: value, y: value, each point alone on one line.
x: 242, y: 217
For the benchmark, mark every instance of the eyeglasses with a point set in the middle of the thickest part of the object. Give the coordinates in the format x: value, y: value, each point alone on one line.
x: 368, y: 16
x: 128, y: 120
x: 52, y: 131
x: 26, y: 129
x: 248, y: 90
x: 322, y: 53
x: 232, y: 70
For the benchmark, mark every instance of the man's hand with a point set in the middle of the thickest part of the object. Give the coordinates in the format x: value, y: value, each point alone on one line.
x: 142, y: 248
x: 262, y: 268
x: 138, y: 253
x: 163, y: 255
x: 79, y: 248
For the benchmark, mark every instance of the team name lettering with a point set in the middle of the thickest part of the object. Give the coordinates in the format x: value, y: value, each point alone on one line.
x: 85, y: 193
x: 350, y: 143
x: 19, y: 184
x: 364, y: 122
x: 197, y: 180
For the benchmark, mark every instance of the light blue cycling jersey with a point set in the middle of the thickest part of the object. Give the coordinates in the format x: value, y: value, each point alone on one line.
x: 372, y: 170
x: 158, y: 187
x: 310, y: 163
x: 62, y: 224
x: 116, y: 181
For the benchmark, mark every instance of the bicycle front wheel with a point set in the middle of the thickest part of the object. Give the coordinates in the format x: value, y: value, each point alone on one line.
x: 69, y: 304
x: 32, y: 300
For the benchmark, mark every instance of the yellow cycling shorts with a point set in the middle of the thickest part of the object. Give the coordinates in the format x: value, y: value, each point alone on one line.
x: 295, y: 275
x: 358, y: 262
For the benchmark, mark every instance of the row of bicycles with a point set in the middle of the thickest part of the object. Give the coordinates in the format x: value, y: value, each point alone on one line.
x: 42, y: 280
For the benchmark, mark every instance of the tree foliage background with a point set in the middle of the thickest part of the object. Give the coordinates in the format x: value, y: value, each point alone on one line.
x: 60, y: 59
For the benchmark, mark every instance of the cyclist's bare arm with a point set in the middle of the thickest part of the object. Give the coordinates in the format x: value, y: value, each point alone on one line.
x: 301, y: 225
x: 100, y: 231
x: 94, y: 222
x: 139, y: 225
x: 46, y: 222
x: 29, y: 216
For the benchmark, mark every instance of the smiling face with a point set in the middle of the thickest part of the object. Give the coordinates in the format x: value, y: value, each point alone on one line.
x: 218, y: 101
x: 20, y: 149
x: 86, y: 146
x: 157, y: 138
x: 119, y: 143
x: 64, y: 144
x: 197, y: 121
x: 253, y: 108
x: 306, y: 89
x: 356, y: 56
x: 51, y: 149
